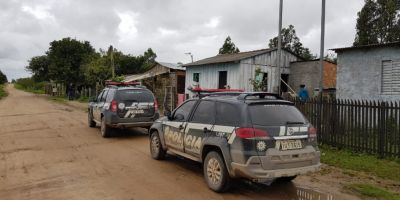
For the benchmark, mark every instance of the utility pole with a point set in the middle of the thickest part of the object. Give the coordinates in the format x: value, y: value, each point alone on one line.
x: 190, y: 54
x: 112, y: 61
x: 278, y: 61
x: 321, y: 57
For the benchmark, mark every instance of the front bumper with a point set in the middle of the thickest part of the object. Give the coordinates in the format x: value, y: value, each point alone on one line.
x: 276, y: 164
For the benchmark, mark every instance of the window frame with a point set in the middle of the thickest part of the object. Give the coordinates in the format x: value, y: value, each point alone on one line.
x: 198, y: 77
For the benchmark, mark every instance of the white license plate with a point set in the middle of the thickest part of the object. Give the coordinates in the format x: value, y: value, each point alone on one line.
x: 138, y: 111
x: 291, y: 144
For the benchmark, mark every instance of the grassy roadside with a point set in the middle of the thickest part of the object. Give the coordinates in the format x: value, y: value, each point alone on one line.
x: 383, y: 168
x: 3, y: 92
x: 29, y: 89
x: 370, y: 191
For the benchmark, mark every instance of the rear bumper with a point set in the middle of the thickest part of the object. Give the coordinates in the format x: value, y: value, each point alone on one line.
x: 131, y: 124
x: 258, y: 174
x: 115, y: 121
x: 276, y: 164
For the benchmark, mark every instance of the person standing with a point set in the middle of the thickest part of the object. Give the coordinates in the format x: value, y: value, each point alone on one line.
x: 303, y: 93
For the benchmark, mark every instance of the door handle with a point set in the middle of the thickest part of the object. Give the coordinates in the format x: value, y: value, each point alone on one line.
x: 180, y: 127
x: 206, y: 130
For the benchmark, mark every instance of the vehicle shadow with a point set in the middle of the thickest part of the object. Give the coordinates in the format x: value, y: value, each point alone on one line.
x: 240, y: 187
x: 130, y: 133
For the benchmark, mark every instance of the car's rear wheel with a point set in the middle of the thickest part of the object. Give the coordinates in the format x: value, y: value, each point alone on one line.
x: 156, y: 150
x: 105, y: 130
x: 216, y: 173
x: 90, y: 120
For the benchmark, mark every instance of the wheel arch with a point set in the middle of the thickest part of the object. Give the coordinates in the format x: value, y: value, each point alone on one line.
x: 219, y: 145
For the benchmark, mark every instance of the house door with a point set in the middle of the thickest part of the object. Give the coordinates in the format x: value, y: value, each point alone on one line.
x: 222, y: 79
x: 285, y: 80
x: 180, y: 85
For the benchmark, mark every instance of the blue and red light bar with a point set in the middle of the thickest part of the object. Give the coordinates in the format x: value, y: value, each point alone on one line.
x: 215, y: 90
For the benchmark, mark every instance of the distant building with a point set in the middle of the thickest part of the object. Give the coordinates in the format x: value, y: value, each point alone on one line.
x: 308, y: 73
x: 166, y: 81
x: 369, y: 72
x: 235, y: 70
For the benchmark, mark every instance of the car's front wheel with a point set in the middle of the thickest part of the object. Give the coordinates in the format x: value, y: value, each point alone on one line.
x: 105, y: 130
x: 90, y: 120
x: 156, y: 150
x: 215, y: 172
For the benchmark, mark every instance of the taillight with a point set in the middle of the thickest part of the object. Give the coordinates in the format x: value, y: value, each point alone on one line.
x: 312, y: 132
x: 247, y: 133
x: 155, y: 105
x: 114, y: 106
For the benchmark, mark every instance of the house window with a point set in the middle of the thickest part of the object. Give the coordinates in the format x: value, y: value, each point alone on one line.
x: 196, y: 77
x: 390, y: 77
x: 222, y: 79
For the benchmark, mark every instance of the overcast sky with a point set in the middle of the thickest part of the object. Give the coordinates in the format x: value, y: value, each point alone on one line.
x: 170, y: 27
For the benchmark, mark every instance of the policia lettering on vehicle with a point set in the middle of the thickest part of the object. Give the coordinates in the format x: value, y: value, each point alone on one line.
x: 256, y: 136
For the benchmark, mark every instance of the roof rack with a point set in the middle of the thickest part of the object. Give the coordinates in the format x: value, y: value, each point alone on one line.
x: 121, y: 84
x: 260, y: 95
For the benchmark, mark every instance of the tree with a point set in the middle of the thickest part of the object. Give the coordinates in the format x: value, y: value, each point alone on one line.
x: 3, y: 78
x: 291, y: 42
x: 39, y: 67
x: 228, y: 47
x: 97, y: 71
x: 149, y: 59
x: 67, y: 57
x: 378, y: 22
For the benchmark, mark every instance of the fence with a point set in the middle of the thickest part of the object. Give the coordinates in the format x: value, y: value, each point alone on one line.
x: 371, y: 127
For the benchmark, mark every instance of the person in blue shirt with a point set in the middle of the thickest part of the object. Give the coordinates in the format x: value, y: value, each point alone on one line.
x: 303, y: 93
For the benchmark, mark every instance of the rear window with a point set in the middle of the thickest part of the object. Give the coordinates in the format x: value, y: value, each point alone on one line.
x: 135, y: 95
x: 275, y: 115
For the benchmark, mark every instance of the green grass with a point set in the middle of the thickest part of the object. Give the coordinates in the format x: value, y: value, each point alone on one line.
x: 371, y: 191
x: 3, y: 92
x: 83, y: 99
x: 387, y: 169
x: 29, y: 89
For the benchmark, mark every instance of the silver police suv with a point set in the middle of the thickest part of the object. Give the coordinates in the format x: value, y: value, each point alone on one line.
x: 122, y: 105
x: 256, y: 136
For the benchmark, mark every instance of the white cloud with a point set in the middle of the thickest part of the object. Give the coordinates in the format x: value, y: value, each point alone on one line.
x: 40, y: 12
x: 127, y: 27
x: 170, y: 28
x: 167, y: 32
x: 213, y: 23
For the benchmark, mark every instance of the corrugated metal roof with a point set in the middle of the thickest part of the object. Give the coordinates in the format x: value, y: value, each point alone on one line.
x: 172, y: 65
x: 391, y: 44
x: 224, y: 58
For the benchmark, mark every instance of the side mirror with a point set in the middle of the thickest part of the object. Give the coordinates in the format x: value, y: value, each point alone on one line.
x: 167, y: 113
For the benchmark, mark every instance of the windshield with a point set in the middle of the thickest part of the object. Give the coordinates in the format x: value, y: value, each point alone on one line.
x: 275, y: 115
x: 135, y: 95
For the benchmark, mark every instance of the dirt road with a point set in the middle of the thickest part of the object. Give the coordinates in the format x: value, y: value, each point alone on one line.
x: 47, y: 151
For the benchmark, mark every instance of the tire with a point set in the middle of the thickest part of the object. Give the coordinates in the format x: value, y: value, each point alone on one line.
x: 105, y: 130
x: 216, y: 173
x: 90, y: 120
x: 286, y: 179
x: 156, y: 150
